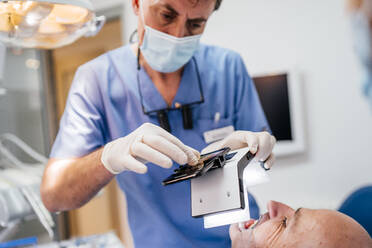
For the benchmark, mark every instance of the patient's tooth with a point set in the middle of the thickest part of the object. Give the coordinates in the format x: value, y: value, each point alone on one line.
x: 248, y: 223
x: 254, y: 224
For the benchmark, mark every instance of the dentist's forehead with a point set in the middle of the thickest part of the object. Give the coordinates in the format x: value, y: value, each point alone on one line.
x: 184, y: 3
x: 192, y: 9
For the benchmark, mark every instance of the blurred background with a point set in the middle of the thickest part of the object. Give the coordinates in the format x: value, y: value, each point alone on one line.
x: 308, y: 41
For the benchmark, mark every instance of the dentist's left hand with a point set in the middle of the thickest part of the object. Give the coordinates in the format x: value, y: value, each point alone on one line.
x: 259, y: 143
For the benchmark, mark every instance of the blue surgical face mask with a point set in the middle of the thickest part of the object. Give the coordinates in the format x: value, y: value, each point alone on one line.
x: 363, y: 47
x: 166, y: 53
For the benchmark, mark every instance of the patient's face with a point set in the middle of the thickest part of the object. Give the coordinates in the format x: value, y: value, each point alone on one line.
x: 283, y: 226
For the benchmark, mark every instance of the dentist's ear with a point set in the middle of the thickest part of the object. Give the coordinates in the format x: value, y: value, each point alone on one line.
x: 136, y: 7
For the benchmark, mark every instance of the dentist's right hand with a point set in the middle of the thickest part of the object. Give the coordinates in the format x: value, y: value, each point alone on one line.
x: 148, y: 143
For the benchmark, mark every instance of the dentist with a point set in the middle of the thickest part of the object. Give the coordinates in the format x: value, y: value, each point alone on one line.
x: 132, y: 112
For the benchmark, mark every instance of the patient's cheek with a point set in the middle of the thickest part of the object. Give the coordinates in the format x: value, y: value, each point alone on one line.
x: 261, y: 235
x: 268, y: 234
x: 244, y: 240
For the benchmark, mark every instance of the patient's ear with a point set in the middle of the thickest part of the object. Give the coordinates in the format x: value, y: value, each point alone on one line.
x: 278, y: 209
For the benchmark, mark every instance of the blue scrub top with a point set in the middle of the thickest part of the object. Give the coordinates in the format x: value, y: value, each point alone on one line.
x: 104, y: 104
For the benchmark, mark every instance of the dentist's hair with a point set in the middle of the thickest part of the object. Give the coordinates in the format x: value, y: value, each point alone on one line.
x: 218, y: 4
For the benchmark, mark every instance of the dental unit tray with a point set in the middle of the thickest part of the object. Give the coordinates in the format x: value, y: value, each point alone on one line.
x: 207, y: 162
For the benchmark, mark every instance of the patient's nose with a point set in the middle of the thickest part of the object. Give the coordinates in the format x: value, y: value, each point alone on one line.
x: 278, y: 209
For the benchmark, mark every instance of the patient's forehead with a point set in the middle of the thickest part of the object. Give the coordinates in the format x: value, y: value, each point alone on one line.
x: 304, y: 223
x: 320, y: 222
x: 324, y: 228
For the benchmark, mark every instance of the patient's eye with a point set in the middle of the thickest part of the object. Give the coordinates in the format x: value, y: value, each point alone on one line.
x: 284, y: 221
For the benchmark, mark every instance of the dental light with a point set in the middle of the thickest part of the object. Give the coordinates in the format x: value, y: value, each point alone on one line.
x: 47, y: 24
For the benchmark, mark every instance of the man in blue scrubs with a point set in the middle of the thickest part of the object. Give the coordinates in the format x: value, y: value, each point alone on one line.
x: 117, y: 103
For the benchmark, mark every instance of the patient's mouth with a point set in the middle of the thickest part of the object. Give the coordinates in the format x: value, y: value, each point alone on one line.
x: 263, y: 218
x: 249, y: 223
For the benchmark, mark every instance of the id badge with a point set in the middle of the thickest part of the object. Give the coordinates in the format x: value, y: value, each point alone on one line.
x: 218, y: 134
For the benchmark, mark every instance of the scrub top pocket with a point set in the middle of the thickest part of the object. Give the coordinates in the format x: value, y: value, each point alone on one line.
x: 207, y: 125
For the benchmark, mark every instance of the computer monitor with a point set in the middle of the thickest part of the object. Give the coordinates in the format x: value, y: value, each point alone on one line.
x: 280, y: 96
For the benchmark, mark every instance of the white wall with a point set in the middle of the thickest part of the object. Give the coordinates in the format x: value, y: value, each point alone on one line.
x: 313, y: 36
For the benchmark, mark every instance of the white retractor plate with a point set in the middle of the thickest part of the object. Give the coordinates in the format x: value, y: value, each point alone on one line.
x: 228, y: 217
x: 253, y: 175
x: 219, y: 190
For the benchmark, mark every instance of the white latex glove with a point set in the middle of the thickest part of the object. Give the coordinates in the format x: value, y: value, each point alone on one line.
x: 259, y: 143
x: 148, y: 143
